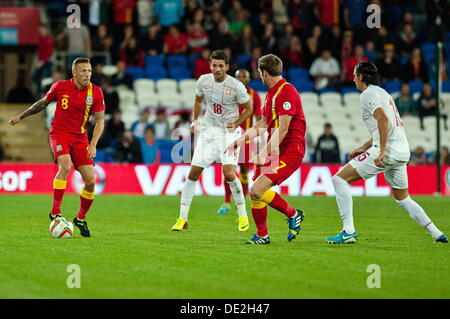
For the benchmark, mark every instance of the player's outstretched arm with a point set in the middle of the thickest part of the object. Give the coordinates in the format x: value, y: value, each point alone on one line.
x: 278, y: 135
x: 259, y: 128
x: 360, y: 149
x: 35, y: 108
x: 98, y: 130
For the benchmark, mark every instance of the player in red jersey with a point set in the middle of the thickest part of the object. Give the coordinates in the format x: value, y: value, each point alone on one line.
x: 245, y: 153
x: 77, y: 99
x: 285, y: 123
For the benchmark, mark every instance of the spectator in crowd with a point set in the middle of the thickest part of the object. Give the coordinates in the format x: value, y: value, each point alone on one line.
x: 115, y: 127
x: 253, y: 65
x: 280, y: 15
x: 301, y: 17
x: 246, y: 41
x: 161, y: 125
x: 346, y: 46
x: 197, y: 38
x: 149, y: 147
x: 169, y: 12
x: 327, y: 12
x: 128, y: 149
x: 145, y: 15
x: 57, y: 75
x: 236, y: 10
x: 97, y: 76
x: 212, y: 21
x: 122, y: 77
x: 152, y: 42
x: 102, y: 41
x: 138, y: 127
x: 382, y: 38
x: 406, y: 40
x: 201, y: 64
x: 426, y: 104
x: 327, y: 148
x: 131, y: 54
x: 44, y: 63
x: 190, y: 11
x: 333, y: 42
x: 238, y: 23
x: 183, y: 126
x: 78, y: 42
x: 445, y: 156
x: 406, y: 105
x: 418, y: 157
x: 293, y: 55
x: 389, y: 66
x: 349, y: 65
x: 313, y: 45
x: 110, y: 96
x: 284, y: 41
x: 354, y: 12
x: 268, y: 40
x: 123, y: 11
x: 20, y: 93
x: 260, y: 25
x: 325, y: 71
x: 175, y: 42
x: 415, y: 69
x: 370, y: 51
x: 221, y: 38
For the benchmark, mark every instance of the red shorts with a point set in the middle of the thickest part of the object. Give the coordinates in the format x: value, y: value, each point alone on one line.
x: 73, y: 144
x: 279, y: 168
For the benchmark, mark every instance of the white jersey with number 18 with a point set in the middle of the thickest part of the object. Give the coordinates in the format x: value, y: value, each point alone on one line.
x: 375, y: 97
x: 221, y: 99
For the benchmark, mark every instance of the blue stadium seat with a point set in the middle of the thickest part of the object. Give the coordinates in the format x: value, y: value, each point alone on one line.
x: 446, y: 86
x: 153, y: 61
x: 156, y: 72
x: 242, y: 60
x: 192, y: 57
x: 180, y: 73
x: 136, y: 72
x: 404, y: 59
x: 392, y: 86
x: 176, y: 61
x: 303, y: 85
x: 349, y: 89
x: 415, y: 86
x: 297, y: 73
x: 257, y: 85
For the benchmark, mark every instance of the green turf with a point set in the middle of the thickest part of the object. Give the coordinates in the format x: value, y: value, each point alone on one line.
x: 133, y: 253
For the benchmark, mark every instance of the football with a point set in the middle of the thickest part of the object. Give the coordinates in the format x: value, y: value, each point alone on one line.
x: 61, y: 228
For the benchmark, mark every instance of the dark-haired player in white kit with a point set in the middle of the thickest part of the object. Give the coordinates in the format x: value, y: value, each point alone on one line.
x: 386, y: 152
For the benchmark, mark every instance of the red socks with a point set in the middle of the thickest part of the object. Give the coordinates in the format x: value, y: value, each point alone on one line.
x: 273, y: 199
x: 59, y: 186
x: 259, y: 213
x: 86, y: 199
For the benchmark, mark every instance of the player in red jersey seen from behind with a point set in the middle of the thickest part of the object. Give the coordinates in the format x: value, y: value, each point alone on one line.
x: 76, y: 99
x: 246, y: 149
x: 284, y: 121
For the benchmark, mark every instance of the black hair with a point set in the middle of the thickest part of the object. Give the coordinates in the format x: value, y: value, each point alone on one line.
x: 369, y: 72
x: 219, y: 55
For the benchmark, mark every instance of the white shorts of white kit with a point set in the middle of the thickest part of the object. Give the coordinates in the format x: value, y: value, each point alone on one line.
x: 211, y: 146
x: 394, y: 170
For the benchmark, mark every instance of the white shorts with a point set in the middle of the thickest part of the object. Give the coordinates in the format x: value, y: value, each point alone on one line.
x: 394, y: 171
x: 211, y: 147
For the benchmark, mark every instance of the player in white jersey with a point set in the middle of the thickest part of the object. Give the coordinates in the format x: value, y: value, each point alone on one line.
x: 387, y: 151
x: 221, y: 94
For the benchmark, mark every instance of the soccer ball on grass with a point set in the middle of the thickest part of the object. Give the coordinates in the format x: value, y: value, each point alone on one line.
x: 61, y: 228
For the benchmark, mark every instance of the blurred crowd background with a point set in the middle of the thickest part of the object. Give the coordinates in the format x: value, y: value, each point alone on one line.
x: 142, y: 49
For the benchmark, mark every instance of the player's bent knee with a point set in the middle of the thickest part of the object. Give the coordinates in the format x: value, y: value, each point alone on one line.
x: 229, y: 177
x: 254, y: 195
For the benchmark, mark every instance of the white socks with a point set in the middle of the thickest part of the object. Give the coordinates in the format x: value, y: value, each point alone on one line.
x: 238, y: 195
x: 344, y: 203
x: 186, y: 198
x: 418, y: 214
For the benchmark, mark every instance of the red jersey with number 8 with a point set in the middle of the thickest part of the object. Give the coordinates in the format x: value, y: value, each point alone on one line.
x: 74, y: 106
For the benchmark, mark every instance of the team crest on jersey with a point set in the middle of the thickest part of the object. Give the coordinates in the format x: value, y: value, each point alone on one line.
x: 286, y: 106
x: 58, y: 148
x: 228, y: 91
x: 89, y: 100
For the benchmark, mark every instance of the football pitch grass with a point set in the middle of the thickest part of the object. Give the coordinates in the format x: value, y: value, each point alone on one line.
x: 134, y: 254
